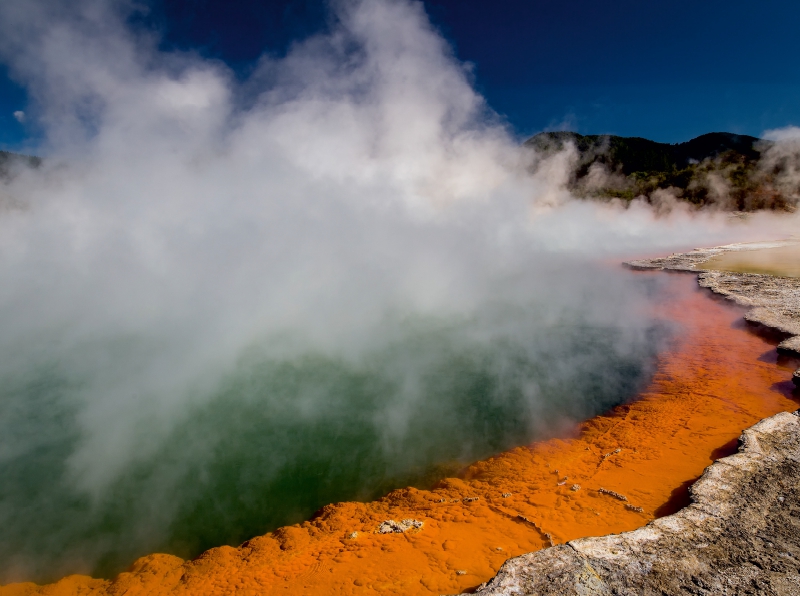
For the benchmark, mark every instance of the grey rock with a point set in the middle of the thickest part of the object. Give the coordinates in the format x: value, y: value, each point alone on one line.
x: 741, y: 532
x: 774, y: 302
x: 740, y: 535
x: 390, y: 526
x: 790, y: 346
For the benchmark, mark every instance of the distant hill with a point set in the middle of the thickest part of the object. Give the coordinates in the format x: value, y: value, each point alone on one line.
x: 736, y: 172
x: 10, y: 161
x: 718, y: 169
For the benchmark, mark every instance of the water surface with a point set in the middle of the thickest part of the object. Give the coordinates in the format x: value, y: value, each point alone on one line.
x: 781, y: 260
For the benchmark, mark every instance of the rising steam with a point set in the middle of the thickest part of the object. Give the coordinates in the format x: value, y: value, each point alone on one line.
x: 340, y: 265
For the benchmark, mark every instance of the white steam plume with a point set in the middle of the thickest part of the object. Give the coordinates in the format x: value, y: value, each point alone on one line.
x: 181, y: 218
x: 781, y: 161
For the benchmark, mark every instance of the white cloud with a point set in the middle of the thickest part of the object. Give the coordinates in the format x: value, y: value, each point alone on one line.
x: 20, y: 116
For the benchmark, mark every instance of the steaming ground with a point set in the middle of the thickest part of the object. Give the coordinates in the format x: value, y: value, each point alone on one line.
x: 226, y: 303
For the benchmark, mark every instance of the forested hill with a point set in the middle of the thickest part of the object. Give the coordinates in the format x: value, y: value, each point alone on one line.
x: 719, y: 169
x: 9, y: 161
x: 737, y: 172
x: 635, y: 154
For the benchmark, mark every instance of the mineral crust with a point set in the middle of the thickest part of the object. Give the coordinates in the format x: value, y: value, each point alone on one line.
x: 774, y: 301
x: 740, y: 535
x: 741, y: 532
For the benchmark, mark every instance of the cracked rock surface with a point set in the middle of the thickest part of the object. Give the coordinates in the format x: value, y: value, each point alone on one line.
x: 394, y: 527
x: 740, y: 535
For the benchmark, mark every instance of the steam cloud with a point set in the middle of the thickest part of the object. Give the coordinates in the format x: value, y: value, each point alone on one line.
x: 353, y: 207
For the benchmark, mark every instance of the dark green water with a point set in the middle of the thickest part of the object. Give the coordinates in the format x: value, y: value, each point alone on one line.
x: 277, y: 438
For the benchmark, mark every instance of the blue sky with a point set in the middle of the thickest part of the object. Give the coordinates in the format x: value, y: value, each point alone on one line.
x: 663, y: 70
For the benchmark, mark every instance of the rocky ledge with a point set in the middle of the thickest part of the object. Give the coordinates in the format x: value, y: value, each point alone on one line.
x: 740, y: 535
x: 741, y: 532
x: 773, y: 301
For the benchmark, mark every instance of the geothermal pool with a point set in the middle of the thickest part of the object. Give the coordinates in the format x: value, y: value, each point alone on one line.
x: 288, y: 430
x: 712, y: 380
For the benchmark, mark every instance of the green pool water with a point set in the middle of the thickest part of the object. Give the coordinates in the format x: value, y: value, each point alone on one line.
x: 275, y: 438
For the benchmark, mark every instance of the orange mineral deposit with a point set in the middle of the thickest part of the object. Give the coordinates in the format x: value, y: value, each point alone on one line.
x: 617, y: 472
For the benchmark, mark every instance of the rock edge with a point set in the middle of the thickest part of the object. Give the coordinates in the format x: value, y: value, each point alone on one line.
x: 773, y: 301
x: 741, y: 532
x: 740, y: 535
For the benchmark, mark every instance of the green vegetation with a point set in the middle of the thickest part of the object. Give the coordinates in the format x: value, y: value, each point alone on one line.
x: 736, y: 172
x: 726, y: 170
x: 11, y: 161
